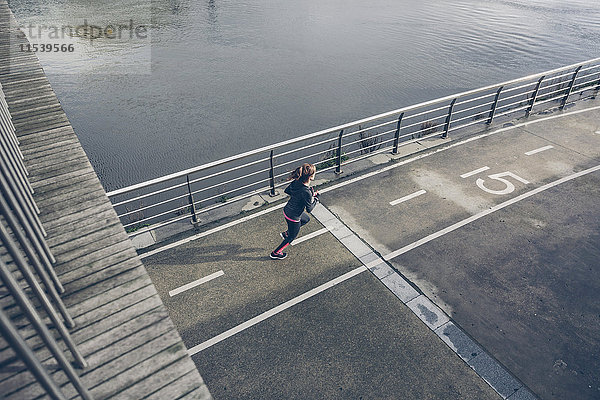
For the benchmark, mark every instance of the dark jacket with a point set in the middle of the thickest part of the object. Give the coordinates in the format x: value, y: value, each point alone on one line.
x: 301, y: 198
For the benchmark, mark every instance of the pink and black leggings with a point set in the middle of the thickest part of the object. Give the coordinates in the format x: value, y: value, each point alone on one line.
x: 293, y: 230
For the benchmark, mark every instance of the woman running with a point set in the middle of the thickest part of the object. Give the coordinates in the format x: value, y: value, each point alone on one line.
x: 302, y: 197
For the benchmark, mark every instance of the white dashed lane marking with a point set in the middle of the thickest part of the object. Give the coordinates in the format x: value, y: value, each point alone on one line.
x: 468, y: 174
x: 195, y: 283
x: 406, y: 198
x: 539, y: 150
x: 309, y: 236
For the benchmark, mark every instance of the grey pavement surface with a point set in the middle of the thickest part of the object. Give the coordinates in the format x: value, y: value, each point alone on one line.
x: 524, y: 281
x: 517, y: 289
x: 355, y: 340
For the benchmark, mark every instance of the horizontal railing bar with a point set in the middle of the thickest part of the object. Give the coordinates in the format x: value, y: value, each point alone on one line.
x: 589, y: 68
x: 151, y: 194
x: 154, y: 216
x: 350, y: 160
x: 231, y: 180
x: 331, y: 167
x: 512, y: 89
x: 554, y: 84
x: 428, y: 120
x: 566, y: 74
x: 304, y: 157
x: 370, y: 137
x: 562, y: 91
x: 458, y: 103
x: 581, y: 76
x: 513, y: 110
x: 340, y: 127
x: 348, y: 134
x: 587, y: 85
x: 475, y: 122
x: 551, y: 98
x: 518, y: 95
x: 233, y: 190
x: 235, y: 199
x: 154, y: 226
x: 193, y: 181
x: 473, y: 108
x: 330, y: 140
x: 507, y: 107
x: 183, y: 196
x: 410, y: 116
x: 457, y: 120
x: 371, y: 154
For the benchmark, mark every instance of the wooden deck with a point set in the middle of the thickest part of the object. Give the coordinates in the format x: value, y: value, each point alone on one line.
x: 123, y: 329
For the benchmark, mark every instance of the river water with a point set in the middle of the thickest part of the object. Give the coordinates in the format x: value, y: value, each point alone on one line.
x: 213, y: 78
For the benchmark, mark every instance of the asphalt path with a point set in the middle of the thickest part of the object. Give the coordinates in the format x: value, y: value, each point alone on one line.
x: 500, y: 232
x: 524, y: 280
x: 352, y: 340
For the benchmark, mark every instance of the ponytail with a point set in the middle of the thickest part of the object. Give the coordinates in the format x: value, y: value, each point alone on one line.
x: 303, y: 172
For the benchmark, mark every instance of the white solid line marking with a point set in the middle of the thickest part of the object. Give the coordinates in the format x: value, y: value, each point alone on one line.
x: 468, y: 174
x: 195, y: 283
x: 406, y: 198
x: 539, y: 150
x: 420, y: 156
x: 310, y: 236
x: 475, y: 217
x: 365, y: 176
x: 274, y: 311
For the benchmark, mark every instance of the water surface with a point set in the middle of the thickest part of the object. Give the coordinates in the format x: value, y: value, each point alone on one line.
x: 228, y: 76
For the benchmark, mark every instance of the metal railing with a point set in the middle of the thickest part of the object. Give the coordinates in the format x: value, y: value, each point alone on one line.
x: 25, y: 251
x: 189, y: 193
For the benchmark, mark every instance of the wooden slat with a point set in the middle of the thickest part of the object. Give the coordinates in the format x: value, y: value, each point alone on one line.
x: 95, y: 284
x: 167, y: 373
x: 89, y: 268
x: 111, y: 301
x: 50, y: 168
x: 41, y: 184
x: 201, y: 393
x: 180, y: 387
x: 91, y: 258
x: 171, y: 349
x: 102, y: 220
x: 47, y: 191
x: 65, y: 151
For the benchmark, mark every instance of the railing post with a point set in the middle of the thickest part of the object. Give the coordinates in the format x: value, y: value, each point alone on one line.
x: 564, y: 100
x: 596, y: 90
x: 493, y: 110
x: 12, y: 222
x: 19, y: 346
x: 272, y: 193
x: 31, y: 230
x: 21, y: 263
x: 534, y: 97
x: 338, y: 168
x: 397, y: 134
x: 448, y: 118
x: 191, y: 201
x: 28, y: 309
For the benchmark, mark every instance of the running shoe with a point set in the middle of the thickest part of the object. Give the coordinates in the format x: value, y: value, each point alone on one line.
x: 278, y: 256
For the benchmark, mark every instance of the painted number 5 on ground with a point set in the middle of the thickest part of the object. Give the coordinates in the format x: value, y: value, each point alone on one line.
x: 499, y: 177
